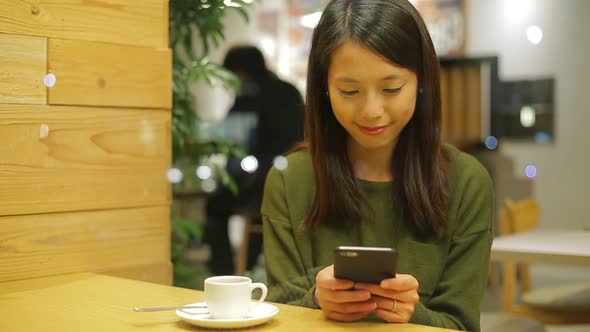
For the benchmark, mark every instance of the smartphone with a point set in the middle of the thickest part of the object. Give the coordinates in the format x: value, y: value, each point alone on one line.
x: 364, y: 264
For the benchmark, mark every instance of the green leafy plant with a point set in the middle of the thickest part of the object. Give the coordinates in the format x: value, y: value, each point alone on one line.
x: 191, y: 64
x: 185, y: 275
x: 203, y: 17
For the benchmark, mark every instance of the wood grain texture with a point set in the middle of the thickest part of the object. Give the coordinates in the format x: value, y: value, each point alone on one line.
x: 99, y: 74
x: 142, y: 23
x: 159, y: 273
x: 23, y: 65
x: 56, y: 159
x: 51, y: 244
x: 473, y: 100
x: 456, y: 105
x: 101, y: 303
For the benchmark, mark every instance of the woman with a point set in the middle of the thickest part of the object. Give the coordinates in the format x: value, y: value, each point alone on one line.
x: 373, y: 173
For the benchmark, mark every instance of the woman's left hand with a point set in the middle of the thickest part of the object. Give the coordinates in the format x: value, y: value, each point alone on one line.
x: 396, y: 298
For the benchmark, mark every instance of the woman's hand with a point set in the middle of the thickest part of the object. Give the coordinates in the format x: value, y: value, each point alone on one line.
x: 338, y: 300
x: 396, y: 297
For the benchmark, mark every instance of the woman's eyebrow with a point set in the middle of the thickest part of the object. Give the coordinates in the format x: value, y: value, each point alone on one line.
x: 352, y: 80
x: 346, y: 79
x: 391, y: 77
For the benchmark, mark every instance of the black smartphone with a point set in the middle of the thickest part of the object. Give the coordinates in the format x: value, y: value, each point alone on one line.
x: 365, y: 264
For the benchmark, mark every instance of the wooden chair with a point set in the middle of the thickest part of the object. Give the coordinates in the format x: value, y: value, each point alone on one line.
x: 242, y: 250
x: 554, y: 305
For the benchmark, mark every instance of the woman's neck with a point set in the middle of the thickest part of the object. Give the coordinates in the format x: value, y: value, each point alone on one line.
x: 371, y: 164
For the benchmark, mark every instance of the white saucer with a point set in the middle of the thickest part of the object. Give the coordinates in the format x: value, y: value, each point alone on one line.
x: 261, y: 313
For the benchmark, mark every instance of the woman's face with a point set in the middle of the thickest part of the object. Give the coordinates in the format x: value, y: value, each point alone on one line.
x: 372, y: 98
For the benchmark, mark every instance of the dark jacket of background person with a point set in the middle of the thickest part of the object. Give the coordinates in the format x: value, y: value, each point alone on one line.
x: 278, y: 107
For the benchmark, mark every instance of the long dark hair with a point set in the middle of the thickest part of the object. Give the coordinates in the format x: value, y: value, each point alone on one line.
x: 396, y: 31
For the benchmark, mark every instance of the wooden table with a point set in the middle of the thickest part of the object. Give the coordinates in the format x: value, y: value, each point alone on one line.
x: 570, y: 247
x: 546, y: 246
x: 91, y: 302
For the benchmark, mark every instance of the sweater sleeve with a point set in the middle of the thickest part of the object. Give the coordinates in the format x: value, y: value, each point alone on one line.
x: 455, y: 302
x: 289, y: 281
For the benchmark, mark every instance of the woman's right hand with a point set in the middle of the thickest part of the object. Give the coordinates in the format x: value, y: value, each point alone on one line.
x: 338, y: 300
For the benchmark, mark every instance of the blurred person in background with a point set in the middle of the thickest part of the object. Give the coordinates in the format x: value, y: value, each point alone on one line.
x: 269, y: 111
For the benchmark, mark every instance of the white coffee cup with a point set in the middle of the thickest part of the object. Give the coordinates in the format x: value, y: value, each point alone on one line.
x: 230, y: 297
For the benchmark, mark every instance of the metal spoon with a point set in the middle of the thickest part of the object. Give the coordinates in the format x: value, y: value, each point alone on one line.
x: 202, y: 306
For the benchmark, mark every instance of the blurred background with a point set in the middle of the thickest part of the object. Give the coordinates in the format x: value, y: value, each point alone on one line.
x: 139, y: 147
x: 514, y: 77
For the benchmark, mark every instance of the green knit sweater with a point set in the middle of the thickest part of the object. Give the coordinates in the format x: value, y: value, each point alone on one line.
x: 451, y: 270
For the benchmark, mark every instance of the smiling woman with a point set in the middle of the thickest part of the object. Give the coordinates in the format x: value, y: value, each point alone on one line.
x: 373, y: 108
x: 372, y: 172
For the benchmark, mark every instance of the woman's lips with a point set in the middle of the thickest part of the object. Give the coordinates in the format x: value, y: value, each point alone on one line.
x: 373, y: 131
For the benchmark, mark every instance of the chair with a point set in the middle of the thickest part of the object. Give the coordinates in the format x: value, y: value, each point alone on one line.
x: 243, y: 247
x: 569, y: 304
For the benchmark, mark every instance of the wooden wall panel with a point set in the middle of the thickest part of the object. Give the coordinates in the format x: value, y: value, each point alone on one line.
x: 90, y: 73
x: 456, y: 105
x: 143, y: 23
x: 461, y: 101
x: 473, y: 97
x: 50, y: 244
x: 23, y: 65
x: 83, y: 181
x: 159, y: 273
x: 56, y: 158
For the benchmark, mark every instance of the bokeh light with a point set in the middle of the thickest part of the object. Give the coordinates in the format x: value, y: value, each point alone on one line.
x: 204, y: 172
x: 50, y: 80
x: 491, y: 142
x: 174, y: 175
x: 209, y: 185
x: 528, y: 116
x: 534, y: 34
x: 281, y: 163
x: 530, y: 171
x: 249, y: 164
